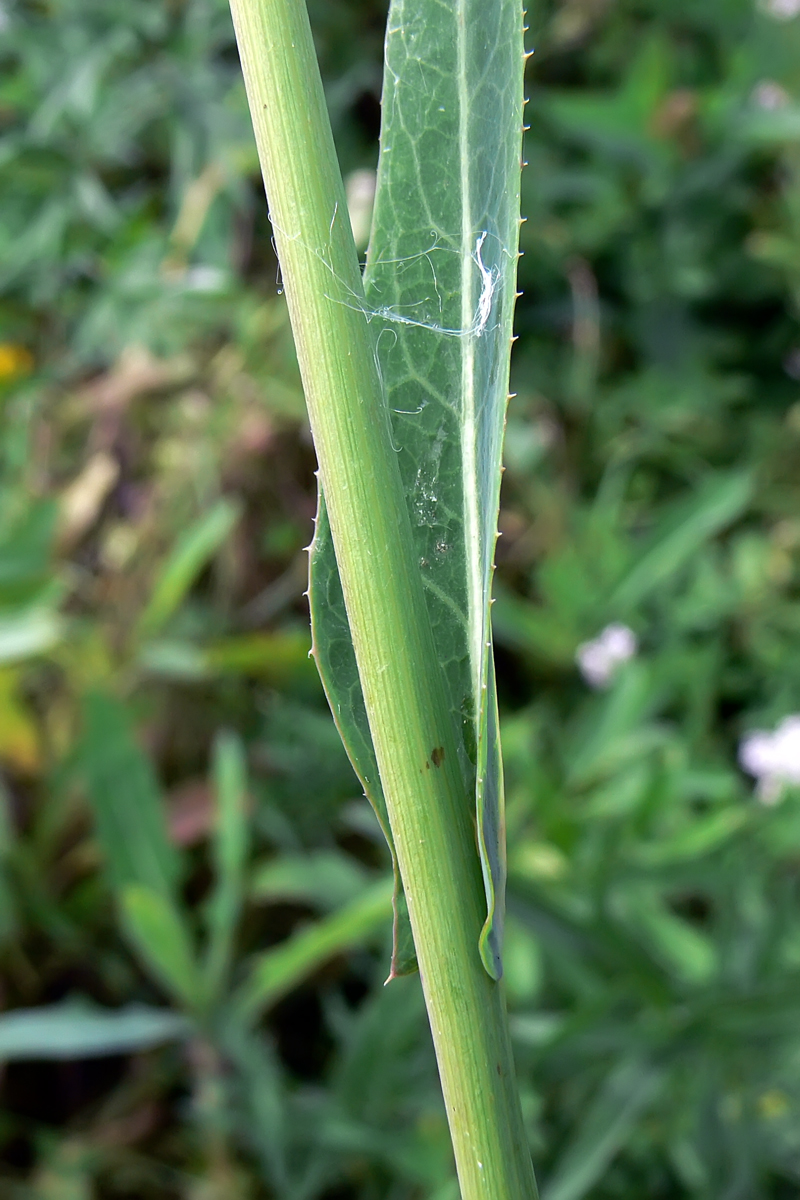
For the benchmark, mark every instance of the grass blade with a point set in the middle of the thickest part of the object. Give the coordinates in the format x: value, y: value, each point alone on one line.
x: 277, y: 971
x: 126, y: 801
x: 157, y: 931
x: 717, y: 503
x: 72, y: 1030
x: 627, y: 1091
x: 323, y: 878
x: 229, y: 849
x: 189, y: 556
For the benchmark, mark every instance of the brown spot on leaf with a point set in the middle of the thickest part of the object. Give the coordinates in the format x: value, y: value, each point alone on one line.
x: 437, y: 754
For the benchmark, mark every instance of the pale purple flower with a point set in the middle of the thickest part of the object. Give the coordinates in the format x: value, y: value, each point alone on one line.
x: 773, y: 759
x: 204, y: 279
x: 781, y: 10
x: 770, y: 95
x: 599, y: 659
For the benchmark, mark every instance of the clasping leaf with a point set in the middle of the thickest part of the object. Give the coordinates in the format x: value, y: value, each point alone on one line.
x: 440, y: 286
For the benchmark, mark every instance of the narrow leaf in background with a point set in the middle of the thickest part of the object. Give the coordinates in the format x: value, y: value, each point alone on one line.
x: 126, y: 800
x: 8, y: 908
x: 276, y: 971
x: 81, y: 1030
x: 187, y: 559
x: 627, y: 1091
x: 158, y: 933
x: 229, y: 848
x: 325, y: 879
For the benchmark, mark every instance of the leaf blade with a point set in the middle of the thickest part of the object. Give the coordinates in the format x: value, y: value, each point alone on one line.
x: 276, y: 971
x: 335, y: 657
x: 625, y: 1093
x: 158, y: 932
x: 72, y: 1030
x: 192, y: 550
x: 126, y: 800
x: 230, y: 847
x: 440, y: 288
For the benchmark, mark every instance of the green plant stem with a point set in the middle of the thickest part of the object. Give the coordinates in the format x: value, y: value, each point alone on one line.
x: 404, y: 690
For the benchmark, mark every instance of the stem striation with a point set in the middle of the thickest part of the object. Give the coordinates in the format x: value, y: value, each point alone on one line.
x: 412, y: 728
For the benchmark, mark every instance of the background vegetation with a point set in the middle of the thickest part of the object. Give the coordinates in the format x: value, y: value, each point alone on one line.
x: 175, y: 800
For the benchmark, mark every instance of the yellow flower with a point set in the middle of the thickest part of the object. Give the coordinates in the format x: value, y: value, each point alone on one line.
x: 14, y: 360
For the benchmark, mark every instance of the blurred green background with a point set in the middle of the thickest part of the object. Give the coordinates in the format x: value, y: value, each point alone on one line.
x: 192, y: 891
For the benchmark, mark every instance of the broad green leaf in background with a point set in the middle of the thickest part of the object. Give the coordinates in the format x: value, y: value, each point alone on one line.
x: 440, y: 284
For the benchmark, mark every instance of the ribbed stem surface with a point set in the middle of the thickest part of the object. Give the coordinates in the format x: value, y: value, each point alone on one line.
x: 403, y: 685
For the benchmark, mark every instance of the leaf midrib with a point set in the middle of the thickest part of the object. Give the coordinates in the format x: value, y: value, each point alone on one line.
x: 472, y: 550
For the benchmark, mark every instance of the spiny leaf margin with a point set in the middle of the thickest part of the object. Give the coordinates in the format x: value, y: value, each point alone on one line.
x: 440, y: 288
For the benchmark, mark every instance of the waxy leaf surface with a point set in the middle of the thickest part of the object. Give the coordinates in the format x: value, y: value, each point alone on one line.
x: 440, y: 284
